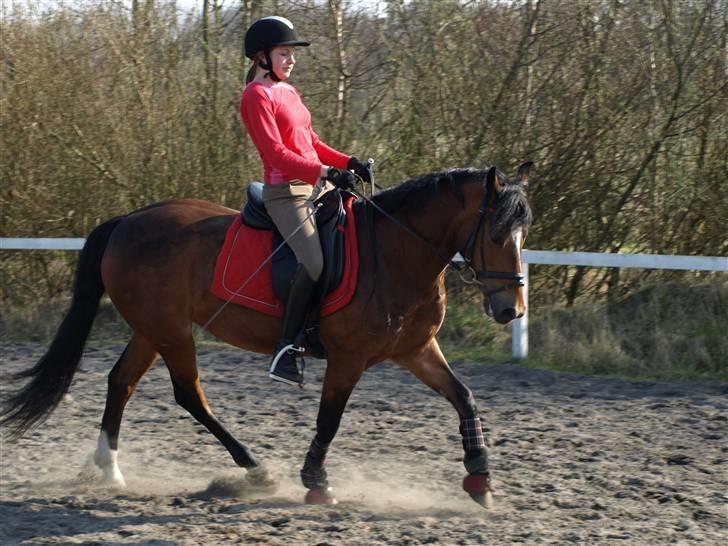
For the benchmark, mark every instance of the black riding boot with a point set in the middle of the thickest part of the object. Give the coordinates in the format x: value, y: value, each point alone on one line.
x: 284, y: 367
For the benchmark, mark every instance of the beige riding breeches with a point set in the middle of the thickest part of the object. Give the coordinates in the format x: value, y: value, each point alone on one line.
x: 290, y: 206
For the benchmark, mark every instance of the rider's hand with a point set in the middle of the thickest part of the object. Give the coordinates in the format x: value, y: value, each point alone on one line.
x: 360, y: 169
x: 341, y: 178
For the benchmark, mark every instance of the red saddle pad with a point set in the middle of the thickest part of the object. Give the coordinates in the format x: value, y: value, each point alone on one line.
x: 245, y: 249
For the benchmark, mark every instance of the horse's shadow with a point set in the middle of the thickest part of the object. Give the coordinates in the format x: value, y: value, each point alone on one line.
x: 511, y: 379
x: 40, y: 518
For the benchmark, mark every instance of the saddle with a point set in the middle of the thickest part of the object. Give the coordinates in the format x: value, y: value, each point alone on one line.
x: 330, y: 220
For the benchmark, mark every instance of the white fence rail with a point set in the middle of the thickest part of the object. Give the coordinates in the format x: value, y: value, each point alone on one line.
x: 23, y: 243
x: 519, y: 339
x: 519, y: 344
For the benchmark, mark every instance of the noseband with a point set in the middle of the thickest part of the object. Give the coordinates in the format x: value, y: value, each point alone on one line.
x: 468, y: 273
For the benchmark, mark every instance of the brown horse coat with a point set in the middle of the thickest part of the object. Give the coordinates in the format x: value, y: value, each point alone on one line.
x: 156, y: 264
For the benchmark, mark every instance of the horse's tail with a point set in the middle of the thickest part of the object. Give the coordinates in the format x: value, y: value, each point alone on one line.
x: 51, y: 376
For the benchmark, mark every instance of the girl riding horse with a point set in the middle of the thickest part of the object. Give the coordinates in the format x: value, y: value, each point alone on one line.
x: 297, y: 168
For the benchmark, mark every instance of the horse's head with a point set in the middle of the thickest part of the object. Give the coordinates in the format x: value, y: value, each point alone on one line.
x: 490, y: 235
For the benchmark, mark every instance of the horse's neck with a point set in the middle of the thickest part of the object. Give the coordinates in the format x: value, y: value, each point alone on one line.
x: 433, y: 225
x: 410, y: 266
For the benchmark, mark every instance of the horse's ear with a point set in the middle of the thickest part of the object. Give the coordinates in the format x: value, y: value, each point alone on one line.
x: 523, y: 173
x: 492, y: 184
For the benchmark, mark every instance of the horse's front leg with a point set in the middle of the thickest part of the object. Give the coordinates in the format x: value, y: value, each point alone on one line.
x: 430, y: 366
x: 339, y: 381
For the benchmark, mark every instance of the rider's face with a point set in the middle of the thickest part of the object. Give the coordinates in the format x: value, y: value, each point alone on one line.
x: 283, y: 61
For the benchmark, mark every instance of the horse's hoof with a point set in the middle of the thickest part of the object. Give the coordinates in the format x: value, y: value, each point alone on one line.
x: 321, y: 496
x: 113, y: 481
x: 483, y: 499
x: 113, y: 478
x: 479, y: 489
x: 260, y: 480
x: 117, y: 484
x: 258, y: 475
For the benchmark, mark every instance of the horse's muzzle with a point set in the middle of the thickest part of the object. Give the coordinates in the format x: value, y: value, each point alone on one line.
x: 502, y: 315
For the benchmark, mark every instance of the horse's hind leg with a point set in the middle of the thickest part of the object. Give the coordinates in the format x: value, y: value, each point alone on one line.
x: 134, y: 362
x: 181, y: 361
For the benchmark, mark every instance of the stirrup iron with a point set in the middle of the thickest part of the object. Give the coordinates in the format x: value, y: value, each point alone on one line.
x: 283, y: 350
x: 300, y: 369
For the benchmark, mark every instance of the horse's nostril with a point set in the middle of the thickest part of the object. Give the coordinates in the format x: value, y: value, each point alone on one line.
x: 508, y: 314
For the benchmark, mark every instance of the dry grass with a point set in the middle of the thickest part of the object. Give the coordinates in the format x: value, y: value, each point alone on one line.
x: 668, y: 331
x: 39, y: 321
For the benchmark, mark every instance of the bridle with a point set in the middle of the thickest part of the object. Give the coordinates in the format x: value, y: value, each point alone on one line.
x: 465, y: 269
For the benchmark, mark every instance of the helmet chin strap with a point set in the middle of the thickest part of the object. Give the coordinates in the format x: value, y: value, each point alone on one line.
x: 269, y: 67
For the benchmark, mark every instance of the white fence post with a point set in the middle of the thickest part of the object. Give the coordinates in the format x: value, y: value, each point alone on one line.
x: 519, y: 334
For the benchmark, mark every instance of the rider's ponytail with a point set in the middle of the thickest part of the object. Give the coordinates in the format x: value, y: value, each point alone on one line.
x: 251, y: 72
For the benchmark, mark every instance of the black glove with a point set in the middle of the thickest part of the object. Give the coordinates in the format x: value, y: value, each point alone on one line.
x: 360, y: 168
x: 341, y: 178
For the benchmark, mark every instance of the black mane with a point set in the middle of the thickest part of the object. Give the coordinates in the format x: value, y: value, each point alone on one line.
x: 416, y: 193
x: 512, y: 211
x: 511, y: 204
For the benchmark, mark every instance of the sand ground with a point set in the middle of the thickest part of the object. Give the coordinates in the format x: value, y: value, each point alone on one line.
x: 575, y: 460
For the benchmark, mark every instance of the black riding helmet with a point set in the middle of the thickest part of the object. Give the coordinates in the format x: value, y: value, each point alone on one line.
x: 267, y: 33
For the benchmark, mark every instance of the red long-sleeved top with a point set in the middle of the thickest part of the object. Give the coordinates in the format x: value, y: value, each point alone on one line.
x: 280, y: 126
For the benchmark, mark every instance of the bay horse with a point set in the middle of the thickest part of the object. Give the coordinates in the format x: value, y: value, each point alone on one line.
x: 156, y: 264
